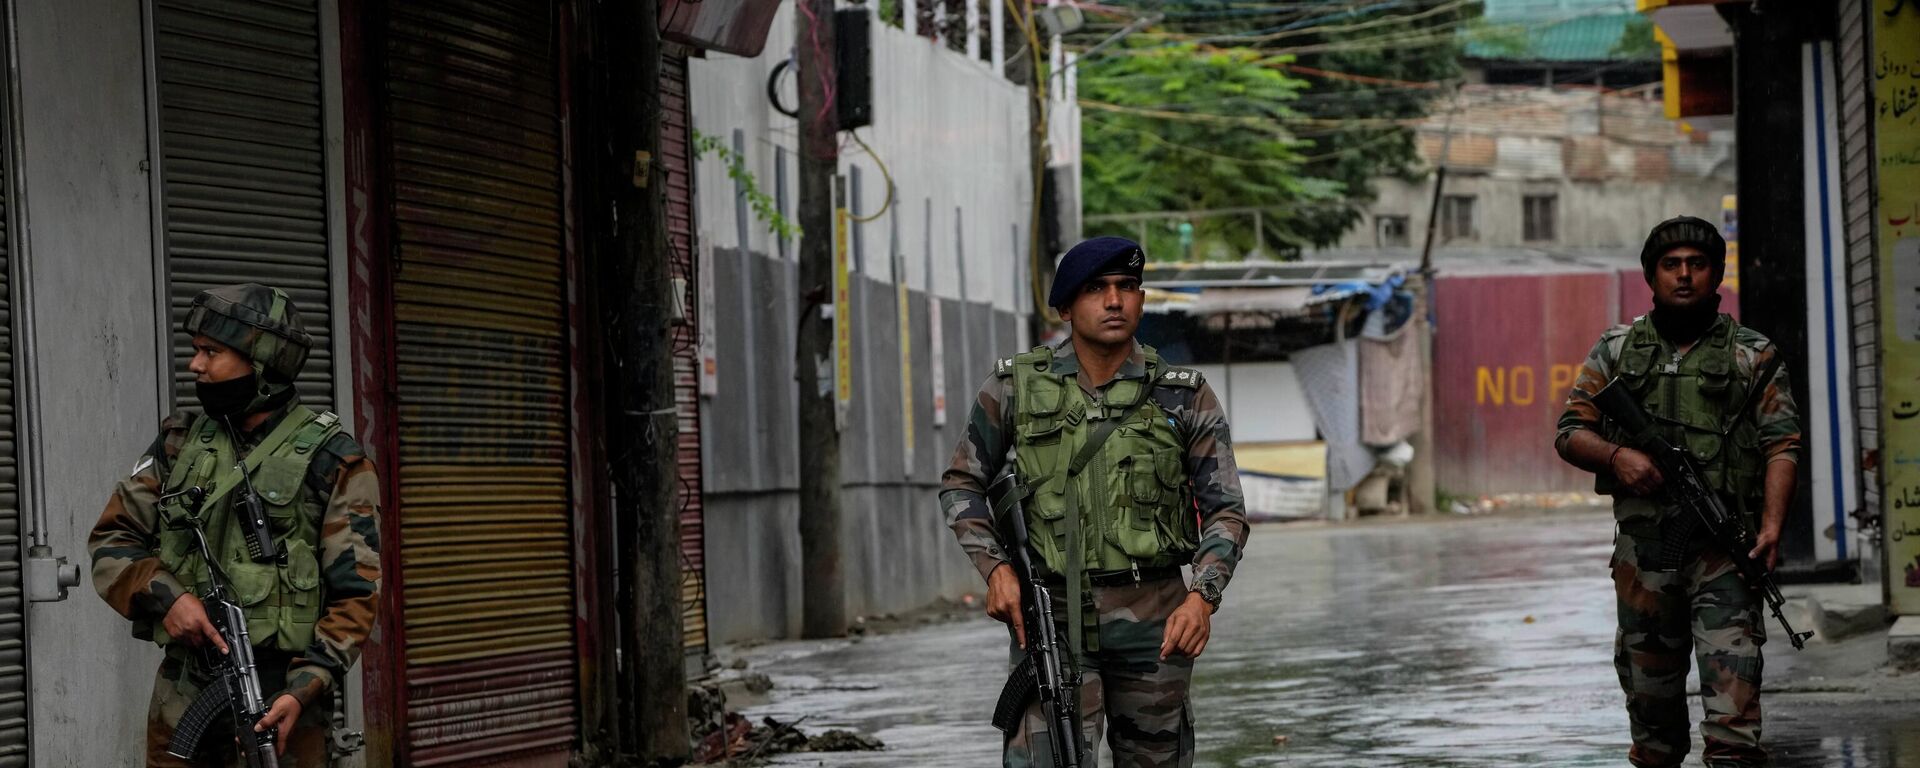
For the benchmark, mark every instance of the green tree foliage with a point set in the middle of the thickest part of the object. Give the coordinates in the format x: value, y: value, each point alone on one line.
x: 1331, y: 136
x: 1173, y: 128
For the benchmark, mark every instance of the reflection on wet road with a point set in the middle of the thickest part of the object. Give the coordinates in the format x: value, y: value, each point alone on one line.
x: 1457, y: 643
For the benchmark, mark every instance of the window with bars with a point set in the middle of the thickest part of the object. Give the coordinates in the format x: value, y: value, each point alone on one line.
x: 1538, y: 215
x: 1456, y: 218
x: 1391, y: 231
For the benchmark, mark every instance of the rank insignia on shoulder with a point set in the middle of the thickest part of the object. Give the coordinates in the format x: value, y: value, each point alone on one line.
x: 145, y: 461
x: 1184, y: 377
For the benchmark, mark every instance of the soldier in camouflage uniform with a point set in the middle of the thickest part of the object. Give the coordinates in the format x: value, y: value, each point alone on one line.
x: 1134, y: 624
x: 308, y: 614
x: 1693, y: 370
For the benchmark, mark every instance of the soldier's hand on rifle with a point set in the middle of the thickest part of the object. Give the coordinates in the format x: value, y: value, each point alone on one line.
x: 280, y: 717
x: 1636, y: 471
x: 1003, y: 601
x: 1188, y: 628
x: 187, y: 620
x: 1766, y: 547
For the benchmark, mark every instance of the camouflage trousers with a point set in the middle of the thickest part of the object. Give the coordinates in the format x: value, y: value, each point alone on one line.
x: 1703, y: 609
x: 1126, y: 691
x: 174, y: 689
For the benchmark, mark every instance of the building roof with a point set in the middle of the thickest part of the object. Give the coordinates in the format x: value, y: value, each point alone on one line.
x: 1586, y: 37
x: 1490, y: 260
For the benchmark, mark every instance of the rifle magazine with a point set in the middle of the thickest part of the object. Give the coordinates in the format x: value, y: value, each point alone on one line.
x: 213, y: 703
x: 1022, y: 687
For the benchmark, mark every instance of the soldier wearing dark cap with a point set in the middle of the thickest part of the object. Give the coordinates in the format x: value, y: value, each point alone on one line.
x: 1160, y: 491
x: 1711, y: 386
x: 307, y: 611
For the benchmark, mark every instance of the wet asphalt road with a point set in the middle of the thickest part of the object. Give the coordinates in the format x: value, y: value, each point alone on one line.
x: 1454, y: 643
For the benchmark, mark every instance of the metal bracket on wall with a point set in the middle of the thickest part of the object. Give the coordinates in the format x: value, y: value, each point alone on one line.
x: 49, y: 577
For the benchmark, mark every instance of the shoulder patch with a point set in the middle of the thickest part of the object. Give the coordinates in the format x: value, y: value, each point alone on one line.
x: 145, y: 461
x: 1003, y: 367
x: 1181, y: 377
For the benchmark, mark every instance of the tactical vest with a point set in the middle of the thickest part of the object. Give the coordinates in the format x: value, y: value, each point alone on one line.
x: 281, y: 600
x: 1695, y: 403
x: 1134, y: 505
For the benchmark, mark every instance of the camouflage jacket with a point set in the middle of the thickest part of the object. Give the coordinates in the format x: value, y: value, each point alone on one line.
x: 1775, y: 414
x: 984, y: 448
x: 129, y: 575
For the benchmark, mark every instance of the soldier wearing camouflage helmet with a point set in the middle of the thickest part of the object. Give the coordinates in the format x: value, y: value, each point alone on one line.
x: 309, y: 612
x: 1160, y: 491
x: 1711, y: 386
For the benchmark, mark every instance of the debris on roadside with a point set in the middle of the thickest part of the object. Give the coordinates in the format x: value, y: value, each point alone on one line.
x: 740, y: 743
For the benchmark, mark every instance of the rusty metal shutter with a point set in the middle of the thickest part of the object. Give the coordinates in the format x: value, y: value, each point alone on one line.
x: 1852, y: 67
x: 485, y: 515
x: 242, y: 164
x: 676, y: 139
x: 13, y: 629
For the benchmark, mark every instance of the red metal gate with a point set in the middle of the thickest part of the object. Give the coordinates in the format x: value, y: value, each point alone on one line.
x: 676, y: 144
x: 485, y: 589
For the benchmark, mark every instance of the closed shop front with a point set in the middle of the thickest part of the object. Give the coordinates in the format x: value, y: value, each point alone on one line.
x: 13, y: 630
x: 241, y: 187
x: 484, y: 515
x: 676, y: 140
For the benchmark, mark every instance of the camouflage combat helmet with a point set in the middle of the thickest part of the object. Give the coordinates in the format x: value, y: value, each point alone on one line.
x: 261, y: 323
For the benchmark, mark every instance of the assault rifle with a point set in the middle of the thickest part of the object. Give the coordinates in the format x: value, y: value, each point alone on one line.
x: 235, y: 690
x: 1046, y: 671
x: 1688, y: 491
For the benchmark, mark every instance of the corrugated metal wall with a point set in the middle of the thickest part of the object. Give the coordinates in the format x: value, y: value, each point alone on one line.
x: 13, y: 628
x: 676, y: 150
x: 242, y: 165
x: 1504, y: 357
x: 485, y: 514
x: 1852, y: 65
x: 899, y: 553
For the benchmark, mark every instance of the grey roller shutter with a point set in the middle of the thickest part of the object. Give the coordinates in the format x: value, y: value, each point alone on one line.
x: 1856, y: 194
x: 242, y: 164
x: 13, y: 635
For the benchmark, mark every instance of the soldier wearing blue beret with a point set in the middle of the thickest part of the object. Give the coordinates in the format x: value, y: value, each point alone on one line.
x: 1132, y: 475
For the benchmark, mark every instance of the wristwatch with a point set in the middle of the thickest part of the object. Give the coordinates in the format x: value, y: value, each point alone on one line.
x: 1207, y: 585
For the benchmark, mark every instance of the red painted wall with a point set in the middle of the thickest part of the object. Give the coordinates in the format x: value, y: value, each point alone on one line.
x: 1505, y: 351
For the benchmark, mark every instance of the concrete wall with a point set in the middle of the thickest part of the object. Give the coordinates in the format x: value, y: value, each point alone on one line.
x: 87, y: 242
x: 898, y: 552
x: 953, y: 136
x: 88, y: 207
x: 1615, y: 212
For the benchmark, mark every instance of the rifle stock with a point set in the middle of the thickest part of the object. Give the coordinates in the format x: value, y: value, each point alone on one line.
x: 1686, y: 489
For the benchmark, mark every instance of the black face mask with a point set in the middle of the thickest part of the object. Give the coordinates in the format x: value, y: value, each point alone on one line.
x: 1684, y: 325
x: 226, y: 398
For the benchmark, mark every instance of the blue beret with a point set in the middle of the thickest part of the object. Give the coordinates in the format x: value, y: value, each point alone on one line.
x: 1098, y: 257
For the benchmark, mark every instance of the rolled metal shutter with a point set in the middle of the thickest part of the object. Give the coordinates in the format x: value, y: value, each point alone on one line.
x: 676, y: 141
x: 1852, y: 67
x: 487, y: 568
x: 13, y: 629
x: 243, y: 165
